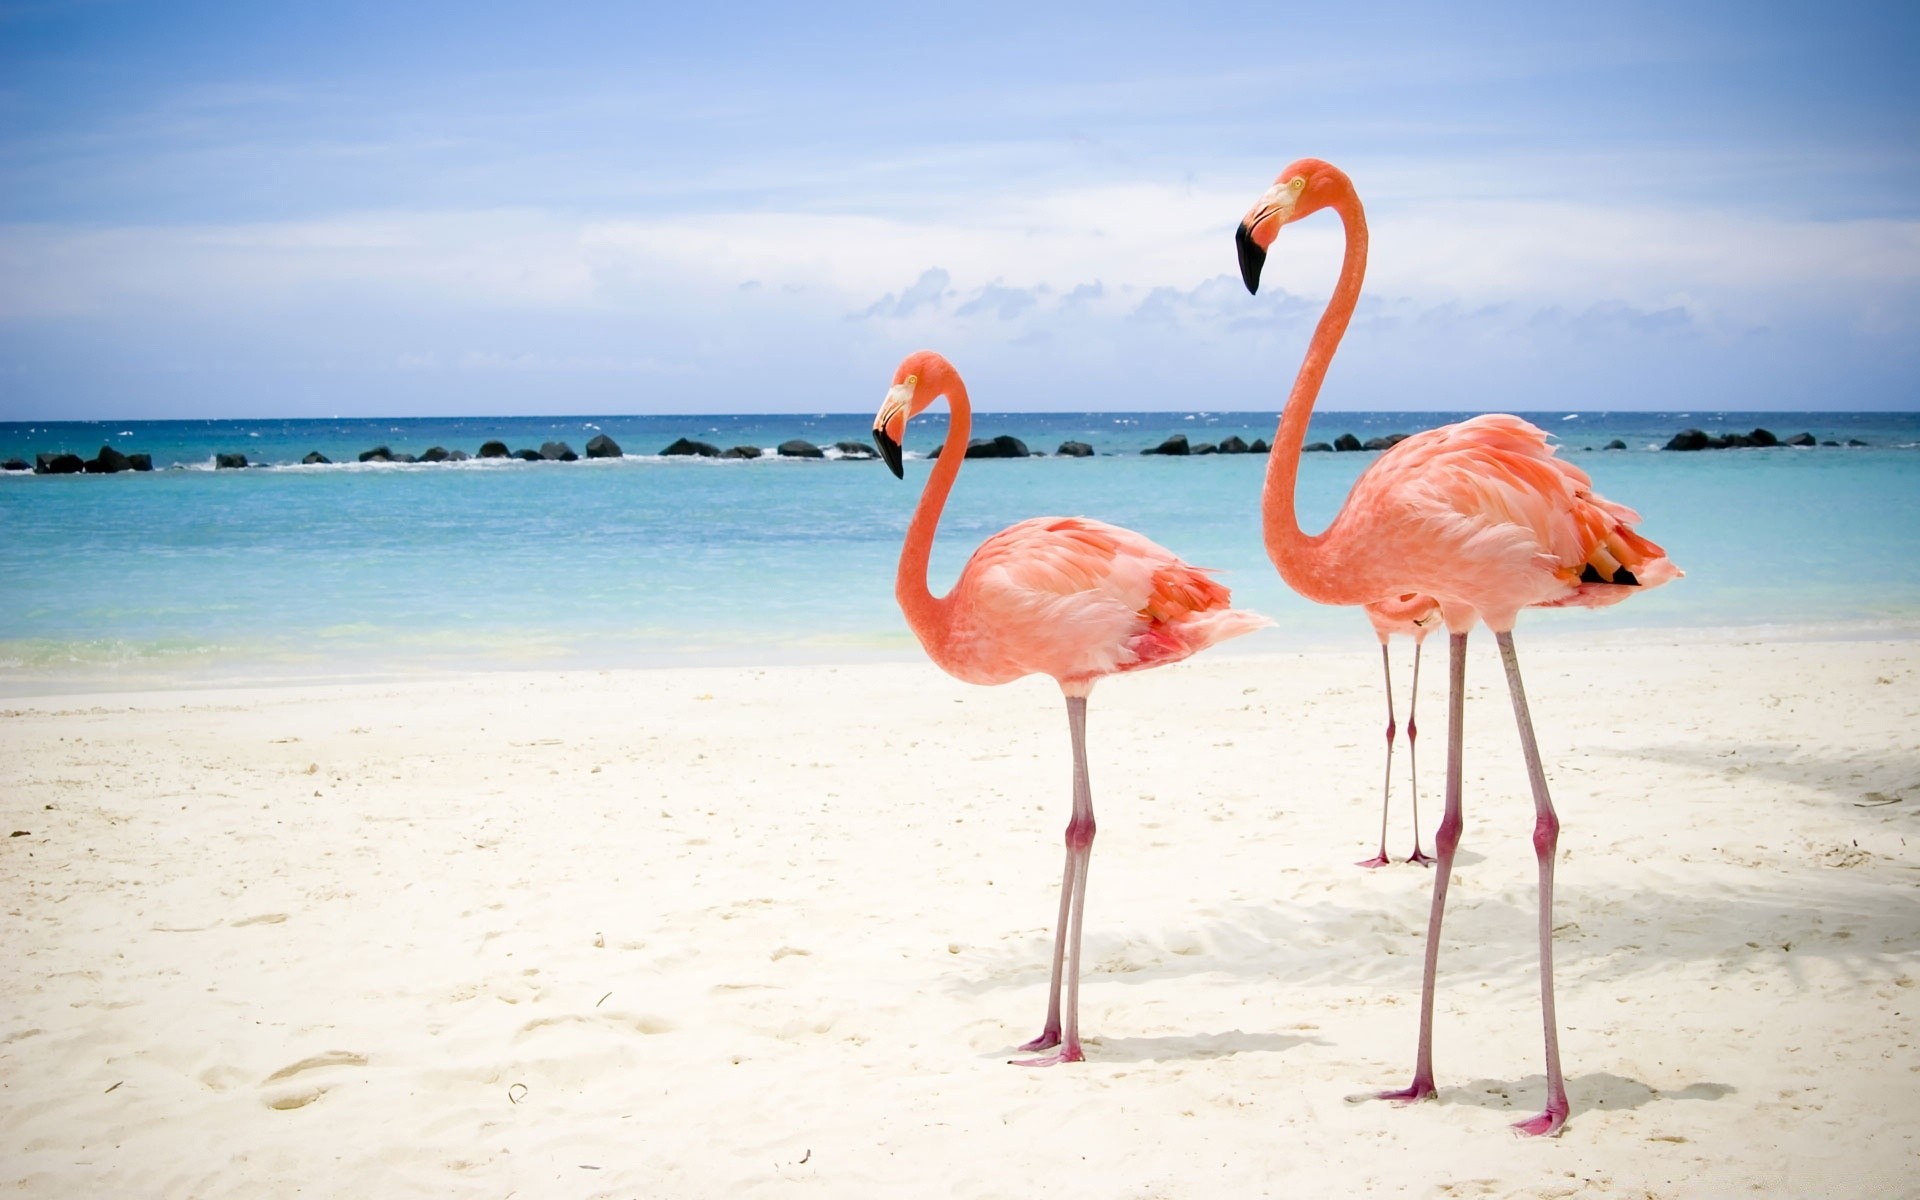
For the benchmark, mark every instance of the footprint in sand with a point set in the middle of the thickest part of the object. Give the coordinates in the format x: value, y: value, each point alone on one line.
x: 297, y: 1091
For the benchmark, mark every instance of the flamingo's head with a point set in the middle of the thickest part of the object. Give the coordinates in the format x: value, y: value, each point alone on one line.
x: 920, y: 379
x: 1306, y: 186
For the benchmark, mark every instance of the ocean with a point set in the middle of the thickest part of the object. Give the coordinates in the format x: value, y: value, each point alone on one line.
x: 190, y: 573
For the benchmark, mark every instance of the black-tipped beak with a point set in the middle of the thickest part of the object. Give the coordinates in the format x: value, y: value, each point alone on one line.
x: 1252, y: 257
x: 889, y: 450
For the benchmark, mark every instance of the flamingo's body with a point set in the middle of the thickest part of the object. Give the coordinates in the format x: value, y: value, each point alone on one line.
x: 1413, y: 616
x: 1481, y: 516
x: 1068, y: 597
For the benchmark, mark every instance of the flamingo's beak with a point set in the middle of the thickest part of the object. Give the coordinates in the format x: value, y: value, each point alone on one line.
x: 1252, y: 256
x: 889, y: 450
x: 890, y: 424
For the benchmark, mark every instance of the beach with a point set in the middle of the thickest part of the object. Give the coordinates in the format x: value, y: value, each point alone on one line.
x: 759, y: 931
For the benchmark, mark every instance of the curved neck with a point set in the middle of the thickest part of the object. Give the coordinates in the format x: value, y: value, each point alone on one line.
x: 924, y: 610
x: 1296, y: 554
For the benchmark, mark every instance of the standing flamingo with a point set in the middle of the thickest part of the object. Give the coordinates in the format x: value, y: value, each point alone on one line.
x: 1414, y: 615
x: 1062, y: 596
x: 1479, y: 515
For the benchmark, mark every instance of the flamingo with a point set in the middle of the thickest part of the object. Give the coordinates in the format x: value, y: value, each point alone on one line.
x: 1415, y: 616
x: 1068, y: 597
x: 1479, y: 515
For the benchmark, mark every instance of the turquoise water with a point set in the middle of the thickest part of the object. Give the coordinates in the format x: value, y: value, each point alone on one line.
x: 367, y: 569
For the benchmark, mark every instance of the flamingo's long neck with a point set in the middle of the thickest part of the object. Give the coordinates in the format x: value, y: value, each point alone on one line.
x: 925, y: 612
x: 1302, y: 559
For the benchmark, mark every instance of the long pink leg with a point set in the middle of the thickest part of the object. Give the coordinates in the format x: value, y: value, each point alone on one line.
x: 1413, y: 759
x: 1546, y: 838
x: 1073, y: 901
x: 1446, y: 840
x: 1386, y: 788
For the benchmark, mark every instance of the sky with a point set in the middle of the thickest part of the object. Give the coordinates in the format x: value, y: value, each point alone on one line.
x: 358, y: 209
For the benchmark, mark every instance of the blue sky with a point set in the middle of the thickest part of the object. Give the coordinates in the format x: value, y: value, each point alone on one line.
x: 358, y: 209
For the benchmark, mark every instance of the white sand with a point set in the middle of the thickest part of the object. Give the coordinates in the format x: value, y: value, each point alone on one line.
x: 776, y: 932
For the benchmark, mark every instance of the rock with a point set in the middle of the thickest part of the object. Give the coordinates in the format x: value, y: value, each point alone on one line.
x: 1385, y: 443
x: 1074, y: 450
x: 1829, y: 443
x: 458, y: 456
x: 1689, y: 439
x: 856, y: 450
x: 683, y: 447
x: 1206, y: 448
x: 1233, y: 444
x: 744, y: 452
x: 799, y: 448
x: 1177, y: 444
x: 1799, y: 439
x: 558, y: 452
x: 1762, y: 437
x: 1259, y: 446
x: 495, y: 450
x: 1730, y: 441
x: 16, y: 464
x: 434, y: 454
x: 1004, y: 446
x: 405, y: 458
x: 315, y: 458
x: 1347, y: 441
x: 377, y: 454
x: 1615, y: 444
x: 65, y: 464
x: 141, y: 462
x: 527, y: 455
x: 1855, y: 442
x: 107, y: 462
x: 1317, y: 446
x: 229, y: 462
x: 602, y: 446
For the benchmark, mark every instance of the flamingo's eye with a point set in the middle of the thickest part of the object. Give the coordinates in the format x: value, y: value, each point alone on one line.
x: 1298, y: 183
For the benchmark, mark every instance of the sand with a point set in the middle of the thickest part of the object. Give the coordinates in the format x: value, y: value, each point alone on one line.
x: 744, y: 932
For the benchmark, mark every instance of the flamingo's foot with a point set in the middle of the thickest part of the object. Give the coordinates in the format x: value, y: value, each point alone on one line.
x: 1418, y: 1090
x: 1547, y: 1124
x: 1422, y: 857
x: 1067, y: 1054
x: 1378, y: 860
x: 1048, y: 1039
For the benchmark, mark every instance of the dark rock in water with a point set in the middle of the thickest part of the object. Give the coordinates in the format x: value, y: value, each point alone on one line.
x: 107, y: 462
x: 1385, y: 443
x: 65, y: 464
x: 1762, y: 437
x: 1233, y: 444
x: 405, y: 458
x: 1206, y: 448
x: 856, y: 450
x: 1074, y: 450
x: 683, y: 446
x: 1855, y: 442
x: 1615, y: 444
x: 799, y: 448
x: 16, y: 464
x: 1177, y: 444
x: 744, y: 452
x: 495, y: 450
x: 141, y: 462
x: 602, y: 446
x: 1259, y: 446
x: 1347, y: 441
x: 1799, y: 439
x: 527, y: 455
x: 1730, y: 441
x: 558, y: 452
x: 229, y: 462
x: 377, y: 454
x: 458, y: 456
x: 1004, y: 446
x: 1829, y: 443
x: 435, y: 454
x: 1316, y: 446
x: 315, y: 458
x: 1689, y: 439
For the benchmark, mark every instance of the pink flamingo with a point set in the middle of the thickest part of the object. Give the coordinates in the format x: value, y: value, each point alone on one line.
x: 1482, y: 517
x: 1415, y: 616
x: 1061, y: 596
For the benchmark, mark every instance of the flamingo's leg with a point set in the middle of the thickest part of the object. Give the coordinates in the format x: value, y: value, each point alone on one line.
x: 1446, y: 840
x: 1386, y: 788
x: 1413, y: 758
x: 1073, y: 899
x: 1546, y: 837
